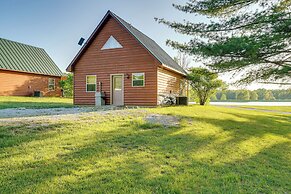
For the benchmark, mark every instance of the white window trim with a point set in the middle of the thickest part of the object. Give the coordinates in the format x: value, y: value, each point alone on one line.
x: 143, y: 80
x: 51, y: 84
x: 111, y: 87
x: 116, y: 46
x: 95, y: 83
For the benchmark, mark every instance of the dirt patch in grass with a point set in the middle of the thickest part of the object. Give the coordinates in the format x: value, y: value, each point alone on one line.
x: 165, y: 120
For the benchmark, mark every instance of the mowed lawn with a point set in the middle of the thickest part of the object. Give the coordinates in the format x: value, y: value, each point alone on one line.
x: 213, y: 150
x: 272, y: 108
x: 34, y: 102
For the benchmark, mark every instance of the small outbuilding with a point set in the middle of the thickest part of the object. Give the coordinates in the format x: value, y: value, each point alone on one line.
x: 127, y: 66
x: 27, y: 70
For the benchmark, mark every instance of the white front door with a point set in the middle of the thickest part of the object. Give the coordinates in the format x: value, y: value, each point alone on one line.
x: 117, y: 90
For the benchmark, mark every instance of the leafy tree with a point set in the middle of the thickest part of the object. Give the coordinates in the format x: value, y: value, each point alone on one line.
x: 67, y: 85
x: 254, y: 95
x: 231, y: 94
x: 251, y: 37
x: 218, y: 94
x: 222, y: 90
x: 243, y: 95
x: 223, y: 97
x: 276, y: 93
x: 282, y: 94
x: 192, y: 95
x: 261, y: 93
x: 269, y: 95
x: 183, y: 60
x: 213, y: 98
x: 204, y: 83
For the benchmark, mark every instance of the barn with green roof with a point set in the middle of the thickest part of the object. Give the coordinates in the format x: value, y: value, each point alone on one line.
x: 27, y: 70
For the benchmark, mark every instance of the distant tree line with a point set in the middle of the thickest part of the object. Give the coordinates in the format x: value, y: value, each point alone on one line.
x: 252, y: 95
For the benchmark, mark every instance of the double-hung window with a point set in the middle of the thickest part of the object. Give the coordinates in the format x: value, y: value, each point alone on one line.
x: 138, y: 80
x: 51, y: 84
x: 91, y: 83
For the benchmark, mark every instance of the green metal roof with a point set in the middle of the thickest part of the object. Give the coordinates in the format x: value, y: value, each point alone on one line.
x: 16, y: 56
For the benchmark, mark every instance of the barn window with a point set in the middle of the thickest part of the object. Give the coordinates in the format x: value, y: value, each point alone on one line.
x: 138, y: 79
x: 51, y: 84
x: 91, y: 83
x: 111, y: 43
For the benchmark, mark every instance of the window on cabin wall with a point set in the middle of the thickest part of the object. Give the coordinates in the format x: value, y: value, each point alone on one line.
x: 51, y: 84
x: 138, y: 79
x: 91, y: 83
x: 111, y: 43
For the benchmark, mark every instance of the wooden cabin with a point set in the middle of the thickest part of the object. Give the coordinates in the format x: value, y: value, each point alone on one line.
x: 128, y: 66
x: 25, y: 70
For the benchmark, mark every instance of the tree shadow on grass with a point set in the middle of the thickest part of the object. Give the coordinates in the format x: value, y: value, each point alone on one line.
x: 250, y: 125
x: 16, y: 135
x: 139, y: 157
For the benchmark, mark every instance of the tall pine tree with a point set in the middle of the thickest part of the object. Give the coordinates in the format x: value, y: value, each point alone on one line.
x: 250, y: 37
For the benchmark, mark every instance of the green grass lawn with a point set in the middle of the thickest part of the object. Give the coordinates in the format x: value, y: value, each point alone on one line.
x: 34, y: 102
x: 214, y: 150
x: 276, y: 108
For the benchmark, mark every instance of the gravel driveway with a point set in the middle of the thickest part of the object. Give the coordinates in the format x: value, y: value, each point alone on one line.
x: 22, y: 112
x: 36, y: 117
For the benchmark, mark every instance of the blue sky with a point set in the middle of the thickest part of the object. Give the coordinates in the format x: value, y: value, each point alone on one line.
x: 57, y: 25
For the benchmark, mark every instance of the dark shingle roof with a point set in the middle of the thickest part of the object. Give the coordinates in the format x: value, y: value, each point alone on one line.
x: 16, y: 56
x: 151, y: 46
x: 147, y: 42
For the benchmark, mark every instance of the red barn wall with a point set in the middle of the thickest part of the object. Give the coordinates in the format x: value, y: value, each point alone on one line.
x: 24, y: 84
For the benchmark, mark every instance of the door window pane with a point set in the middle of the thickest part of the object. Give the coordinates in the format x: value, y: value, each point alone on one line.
x: 117, y: 83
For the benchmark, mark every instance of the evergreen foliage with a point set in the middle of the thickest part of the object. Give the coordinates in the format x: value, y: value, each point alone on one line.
x: 250, y: 37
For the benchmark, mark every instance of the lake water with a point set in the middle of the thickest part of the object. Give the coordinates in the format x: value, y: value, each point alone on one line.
x: 250, y: 103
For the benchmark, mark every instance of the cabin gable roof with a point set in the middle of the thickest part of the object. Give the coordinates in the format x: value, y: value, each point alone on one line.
x: 151, y: 46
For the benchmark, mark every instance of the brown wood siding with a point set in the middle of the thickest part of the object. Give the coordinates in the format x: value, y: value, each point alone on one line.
x: 132, y: 58
x: 24, y: 84
x: 168, y: 82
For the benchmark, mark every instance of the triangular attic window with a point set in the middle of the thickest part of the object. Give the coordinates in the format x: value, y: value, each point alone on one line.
x: 111, y: 43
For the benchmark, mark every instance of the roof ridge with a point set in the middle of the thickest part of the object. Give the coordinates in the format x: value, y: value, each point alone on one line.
x: 131, y: 25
